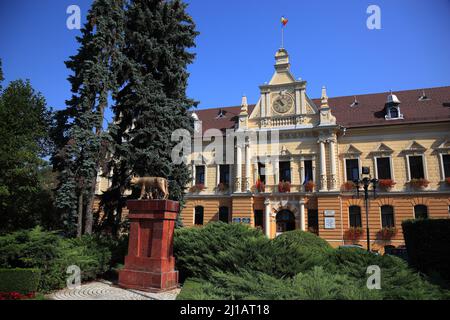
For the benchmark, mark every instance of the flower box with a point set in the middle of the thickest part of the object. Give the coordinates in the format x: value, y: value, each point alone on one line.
x: 387, y: 233
x: 419, y: 183
x: 222, y: 187
x: 354, y: 233
x: 260, y: 186
x: 309, y: 186
x: 197, y: 188
x: 447, y: 180
x: 284, y: 186
x: 348, y: 186
x: 386, y: 184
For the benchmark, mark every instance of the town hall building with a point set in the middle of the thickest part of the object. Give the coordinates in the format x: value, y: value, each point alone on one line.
x: 403, y: 138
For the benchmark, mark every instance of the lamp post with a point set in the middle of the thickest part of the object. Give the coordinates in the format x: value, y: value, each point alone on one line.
x: 365, y: 182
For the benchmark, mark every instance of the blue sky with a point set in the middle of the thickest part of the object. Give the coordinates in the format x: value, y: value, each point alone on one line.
x: 328, y: 42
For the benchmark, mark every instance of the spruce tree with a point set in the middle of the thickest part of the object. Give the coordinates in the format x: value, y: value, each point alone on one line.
x: 152, y: 102
x: 79, y: 129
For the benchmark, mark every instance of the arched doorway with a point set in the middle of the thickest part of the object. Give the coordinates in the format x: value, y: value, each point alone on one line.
x: 285, y: 221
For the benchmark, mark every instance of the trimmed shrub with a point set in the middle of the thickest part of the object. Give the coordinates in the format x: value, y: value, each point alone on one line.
x: 235, y: 262
x: 295, y: 252
x: 53, y: 254
x: 23, y: 281
x: 216, y: 247
x: 428, y: 245
x: 316, y: 284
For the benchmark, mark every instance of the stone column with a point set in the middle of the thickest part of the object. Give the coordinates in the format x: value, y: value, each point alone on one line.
x: 238, y: 181
x: 267, y: 218
x: 193, y: 174
x: 276, y: 169
x: 302, y: 215
x: 301, y: 173
x: 323, y: 167
x: 217, y: 175
x: 333, y: 164
x: 247, y: 167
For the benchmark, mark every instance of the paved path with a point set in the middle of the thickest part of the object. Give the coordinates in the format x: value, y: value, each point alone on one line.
x: 104, y: 290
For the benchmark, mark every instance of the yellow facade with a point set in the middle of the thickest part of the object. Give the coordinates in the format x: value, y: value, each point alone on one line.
x: 309, y: 131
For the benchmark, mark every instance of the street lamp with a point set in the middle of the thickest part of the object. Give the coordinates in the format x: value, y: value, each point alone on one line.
x: 365, y: 182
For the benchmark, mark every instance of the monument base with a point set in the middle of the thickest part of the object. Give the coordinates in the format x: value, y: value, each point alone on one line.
x: 150, y: 265
x: 148, y: 281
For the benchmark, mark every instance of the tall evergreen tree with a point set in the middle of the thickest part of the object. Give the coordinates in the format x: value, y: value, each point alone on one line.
x: 24, y: 123
x: 78, y: 130
x: 152, y: 102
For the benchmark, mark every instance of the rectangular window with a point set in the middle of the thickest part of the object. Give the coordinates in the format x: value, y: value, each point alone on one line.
x: 224, y: 173
x: 416, y: 170
x: 285, y: 171
x: 200, y: 175
x: 309, y: 176
x: 262, y: 172
x: 384, y: 168
x: 313, y: 221
x: 446, y: 163
x: 355, y: 217
x: 259, y: 219
x: 387, y: 217
x: 352, y: 166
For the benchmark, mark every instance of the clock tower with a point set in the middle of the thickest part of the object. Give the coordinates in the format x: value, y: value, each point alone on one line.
x: 284, y: 96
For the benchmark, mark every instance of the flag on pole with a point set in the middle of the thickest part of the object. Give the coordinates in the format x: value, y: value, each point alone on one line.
x: 284, y: 21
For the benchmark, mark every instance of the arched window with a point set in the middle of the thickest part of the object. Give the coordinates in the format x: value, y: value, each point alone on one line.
x: 387, y: 216
x: 421, y: 211
x: 393, y: 112
x: 285, y: 221
x: 224, y: 214
x: 199, y: 213
x: 355, y: 216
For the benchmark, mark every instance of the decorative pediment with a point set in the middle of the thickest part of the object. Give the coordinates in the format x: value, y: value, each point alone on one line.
x: 415, y: 147
x: 382, y: 149
x: 352, y: 151
x: 444, y: 146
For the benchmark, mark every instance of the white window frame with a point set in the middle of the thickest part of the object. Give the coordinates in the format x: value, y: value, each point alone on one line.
x: 359, y: 166
x: 424, y: 164
x: 391, y: 164
x: 206, y: 170
x: 441, y: 164
x: 219, y: 175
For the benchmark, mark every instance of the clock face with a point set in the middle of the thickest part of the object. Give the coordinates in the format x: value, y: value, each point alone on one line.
x: 283, y: 103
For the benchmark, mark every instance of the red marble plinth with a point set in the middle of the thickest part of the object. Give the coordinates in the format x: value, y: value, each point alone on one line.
x: 150, y: 265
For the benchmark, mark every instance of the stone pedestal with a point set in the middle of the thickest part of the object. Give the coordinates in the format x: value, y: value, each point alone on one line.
x: 150, y: 265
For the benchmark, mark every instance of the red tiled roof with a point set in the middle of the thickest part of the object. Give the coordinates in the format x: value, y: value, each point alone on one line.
x: 369, y: 112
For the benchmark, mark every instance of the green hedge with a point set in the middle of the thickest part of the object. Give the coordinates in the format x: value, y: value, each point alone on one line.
x: 428, y: 245
x: 52, y: 254
x: 19, y: 280
x: 232, y: 261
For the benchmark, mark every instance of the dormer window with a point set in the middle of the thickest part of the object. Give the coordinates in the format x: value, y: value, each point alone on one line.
x: 221, y: 114
x: 354, y: 103
x: 424, y: 97
x: 392, y: 108
x: 393, y: 112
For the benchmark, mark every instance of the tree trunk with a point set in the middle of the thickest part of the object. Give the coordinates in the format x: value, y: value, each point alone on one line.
x: 80, y: 216
x: 89, y: 206
x: 90, y: 202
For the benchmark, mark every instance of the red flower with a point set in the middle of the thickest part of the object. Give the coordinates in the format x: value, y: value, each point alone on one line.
x: 386, y: 183
x: 284, y: 186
